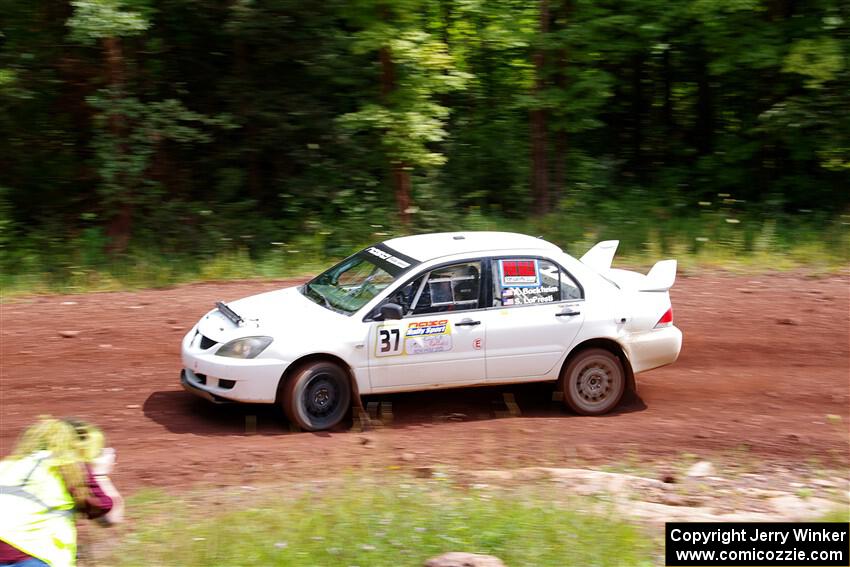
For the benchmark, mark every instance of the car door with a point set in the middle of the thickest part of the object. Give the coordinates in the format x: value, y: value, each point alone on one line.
x: 439, y: 342
x: 536, y: 317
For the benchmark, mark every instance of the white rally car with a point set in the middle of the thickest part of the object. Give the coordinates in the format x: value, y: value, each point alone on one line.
x: 439, y: 311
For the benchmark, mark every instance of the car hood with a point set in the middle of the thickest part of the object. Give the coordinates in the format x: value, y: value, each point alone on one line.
x: 271, y: 313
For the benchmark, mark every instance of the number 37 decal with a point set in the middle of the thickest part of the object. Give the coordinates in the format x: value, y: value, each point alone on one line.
x: 389, y: 342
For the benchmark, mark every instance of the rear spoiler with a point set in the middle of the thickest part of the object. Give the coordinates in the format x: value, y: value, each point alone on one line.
x: 660, y: 278
x: 600, y: 256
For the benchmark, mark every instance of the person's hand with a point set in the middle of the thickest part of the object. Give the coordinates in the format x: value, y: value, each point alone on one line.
x: 104, y: 463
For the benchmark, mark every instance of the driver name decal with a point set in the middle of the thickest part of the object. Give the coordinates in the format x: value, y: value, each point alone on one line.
x: 528, y: 295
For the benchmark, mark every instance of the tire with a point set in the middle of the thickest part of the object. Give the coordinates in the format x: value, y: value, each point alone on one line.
x: 317, y: 396
x: 594, y: 382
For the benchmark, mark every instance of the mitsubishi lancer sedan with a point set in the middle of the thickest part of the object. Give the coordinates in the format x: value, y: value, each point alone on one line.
x: 439, y: 311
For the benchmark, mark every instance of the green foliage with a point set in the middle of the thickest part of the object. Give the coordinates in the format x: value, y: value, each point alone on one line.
x: 821, y: 60
x: 408, y: 121
x: 98, y: 19
x: 124, y: 154
x: 195, y: 129
x: 405, y: 134
x: 393, y: 520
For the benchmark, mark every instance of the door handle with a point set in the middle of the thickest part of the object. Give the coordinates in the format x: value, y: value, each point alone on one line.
x: 567, y: 313
x: 467, y: 323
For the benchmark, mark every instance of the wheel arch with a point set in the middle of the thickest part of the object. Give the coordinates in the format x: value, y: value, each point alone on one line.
x: 611, y: 346
x: 320, y: 357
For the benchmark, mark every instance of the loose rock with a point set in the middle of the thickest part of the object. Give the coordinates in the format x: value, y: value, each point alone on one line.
x: 423, y: 472
x: 702, y: 468
x: 667, y: 477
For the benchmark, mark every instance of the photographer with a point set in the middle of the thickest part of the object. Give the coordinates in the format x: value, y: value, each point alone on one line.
x: 58, y: 469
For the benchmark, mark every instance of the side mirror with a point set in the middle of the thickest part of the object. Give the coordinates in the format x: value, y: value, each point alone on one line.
x: 391, y: 311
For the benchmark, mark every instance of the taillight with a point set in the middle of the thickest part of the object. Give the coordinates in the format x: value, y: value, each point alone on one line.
x: 666, y: 319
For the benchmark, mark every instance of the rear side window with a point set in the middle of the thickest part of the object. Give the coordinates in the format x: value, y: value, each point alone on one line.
x: 531, y: 281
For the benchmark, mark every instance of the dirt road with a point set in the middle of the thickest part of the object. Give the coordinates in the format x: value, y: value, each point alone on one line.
x: 764, y: 373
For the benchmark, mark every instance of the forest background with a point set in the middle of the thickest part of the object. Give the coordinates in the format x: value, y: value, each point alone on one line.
x: 145, y: 142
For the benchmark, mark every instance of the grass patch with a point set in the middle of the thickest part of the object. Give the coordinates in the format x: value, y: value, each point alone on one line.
x: 841, y: 514
x: 391, y: 521
x: 705, y: 239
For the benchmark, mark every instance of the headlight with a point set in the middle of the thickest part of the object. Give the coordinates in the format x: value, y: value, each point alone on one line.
x: 247, y: 347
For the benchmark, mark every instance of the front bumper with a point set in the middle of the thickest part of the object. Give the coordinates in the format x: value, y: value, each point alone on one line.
x: 220, y: 379
x: 188, y: 380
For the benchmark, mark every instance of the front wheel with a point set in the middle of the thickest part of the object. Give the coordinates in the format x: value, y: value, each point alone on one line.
x: 594, y: 382
x: 317, y: 396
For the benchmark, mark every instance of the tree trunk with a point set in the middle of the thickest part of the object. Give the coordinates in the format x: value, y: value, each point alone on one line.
x: 119, y: 229
x: 250, y: 133
x: 114, y: 62
x: 669, y: 128
x: 401, y: 182
x: 539, y: 141
x: 400, y: 172
x: 560, y: 173
x: 705, y: 109
x: 638, y: 111
x: 121, y: 221
x: 561, y: 136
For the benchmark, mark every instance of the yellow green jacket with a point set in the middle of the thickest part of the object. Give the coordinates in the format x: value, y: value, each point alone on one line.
x: 36, y: 509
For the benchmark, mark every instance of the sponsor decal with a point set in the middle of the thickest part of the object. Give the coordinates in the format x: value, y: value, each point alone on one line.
x: 424, y: 337
x: 519, y: 273
x: 427, y: 328
x: 529, y: 295
x: 428, y: 344
x: 388, y: 257
x: 476, y: 344
x: 420, y: 337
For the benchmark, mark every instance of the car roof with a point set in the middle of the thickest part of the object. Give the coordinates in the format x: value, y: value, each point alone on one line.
x: 425, y: 247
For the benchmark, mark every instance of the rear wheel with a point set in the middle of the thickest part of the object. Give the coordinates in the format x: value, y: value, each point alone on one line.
x: 594, y: 382
x: 317, y: 396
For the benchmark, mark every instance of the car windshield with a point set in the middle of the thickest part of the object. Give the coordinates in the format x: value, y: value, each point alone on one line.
x: 355, y: 281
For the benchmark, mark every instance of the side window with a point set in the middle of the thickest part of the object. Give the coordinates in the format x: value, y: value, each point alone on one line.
x: 531, y: 281
x: 569, y: 287
x: 449, y: 288
x: 405, y: 295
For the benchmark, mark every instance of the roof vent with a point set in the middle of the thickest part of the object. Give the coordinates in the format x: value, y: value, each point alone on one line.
x: 459, y: 237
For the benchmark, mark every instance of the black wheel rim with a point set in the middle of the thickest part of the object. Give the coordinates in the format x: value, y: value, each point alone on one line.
x: 321, y: 396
